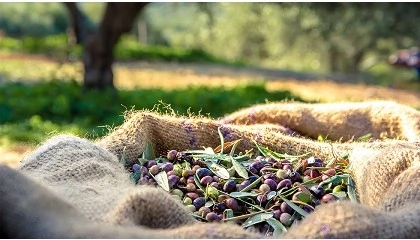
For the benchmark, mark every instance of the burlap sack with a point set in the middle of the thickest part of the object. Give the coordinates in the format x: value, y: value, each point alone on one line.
x: 87, y: 186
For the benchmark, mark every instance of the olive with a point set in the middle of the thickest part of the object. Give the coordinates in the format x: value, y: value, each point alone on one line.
x: 190, y: 187
x: 136, y: 167
x: 261, y: 199
x: 202, y: 172
x: 167, y: 167
x: 285, y: 208
x: 173, y: 180
x: 252, y: 170
x: 195, y: 168
x: 206, y: 180
x: 232, y: 204
x: 257, y: 165
x: 219, y: 207
x: 313, y: 173
x: 276, y: 214
x: 243, y: 185
x: 287, y: 167
x: 222, y: 197
x: 327, y: 198
x: 154, y: 170
x: 330, y: 172
x: 171, y: 173
x: 192, y: 195
x: 278, y: 165
x: 295, y: 176
x: 317, y: 191
x: 271, y: 160
x: 282, y: 174
x: 285, y: 218
x: 252, y: 178
x: 271, y: 183
x: 187, y: 201
x: 212, y: 217
x: 150, y: 163
x: 264, y: 188
x: 203, y: 211
x: 190, y: 208
x: 215, y: 185
x: 229, y: 186
x: 199, y: 202
x: 171, y: 156
x: 284, y: 183
x: 187, y: 172
x: 190, y: 179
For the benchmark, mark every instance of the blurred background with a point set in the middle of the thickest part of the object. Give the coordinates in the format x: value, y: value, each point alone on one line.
x: 77, y: 67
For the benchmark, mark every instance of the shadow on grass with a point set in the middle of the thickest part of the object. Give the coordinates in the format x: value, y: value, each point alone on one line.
x: 32, y: 112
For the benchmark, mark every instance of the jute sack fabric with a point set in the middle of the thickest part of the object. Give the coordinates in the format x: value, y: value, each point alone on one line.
x: 83, y: 180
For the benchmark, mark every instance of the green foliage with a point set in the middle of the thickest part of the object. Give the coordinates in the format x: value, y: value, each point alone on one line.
x: 127, y: 49
x: 23, y: 106
x: 32, y: 19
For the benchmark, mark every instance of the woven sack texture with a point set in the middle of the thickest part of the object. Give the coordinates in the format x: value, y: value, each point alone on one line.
x: 87, y: 185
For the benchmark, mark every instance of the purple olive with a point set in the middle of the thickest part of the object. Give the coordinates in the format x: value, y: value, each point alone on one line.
x: 144, y: 171
x: 167, y: 167
x: 328, y: 198
x: 257, y: 165
x: 190, y: 179
x: 317, y: 191
x: 229, y: 186
x: 150, y: 163
x: 199, y: 202
x: 216, y: 179
x: 220, y: 207
x: 295, y: 177
x: 192, y: 195
x: 287, y: 167
x: 222, y: 197
x: 232, y: 204
x: 171, y: 156
x: 206, y: 180
x: 278, y: 165
x: 285, y: 208
x: 271, y: 183
x: 252, y: 170
x: 173, y: 180
x: 215, y: 185
x: 212, y: 217
x: 284, y: 183
x: 154, y: 170
x: 271, y: 160
x: 276, y: 214
x: 143, y: 180
x: 261, y: 199
x: 136, y: 167
x: 202, y: 172
x: 243, y: 185
x: 203, y: 211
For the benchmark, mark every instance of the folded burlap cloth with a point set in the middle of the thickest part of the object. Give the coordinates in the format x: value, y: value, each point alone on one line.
x: 74, y: 188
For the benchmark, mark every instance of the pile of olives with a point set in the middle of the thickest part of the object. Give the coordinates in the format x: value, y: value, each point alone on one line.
x: 274, y: 194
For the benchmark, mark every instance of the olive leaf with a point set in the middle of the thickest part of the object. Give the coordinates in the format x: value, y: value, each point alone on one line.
x: 252, y: 185
x: 295, y: 207
x: 198, y: 183
x: 218, y: 170
x: 268, y: 153
x: 271, y: 195
x: 340, y: 195
x: 351, y: 190
x: 123, y: 157
x: 149, y: 153
x: 235, y: 144
x: 135, y: 176
x: 262, y: 217
x: 228, y: 213
x: 278, y: 227
x: 239, y: 168
x: 222, y: 140
x: 337, y: 179
x: 162, y: 180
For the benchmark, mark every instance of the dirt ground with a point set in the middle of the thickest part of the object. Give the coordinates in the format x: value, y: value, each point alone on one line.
x: 176, y: 75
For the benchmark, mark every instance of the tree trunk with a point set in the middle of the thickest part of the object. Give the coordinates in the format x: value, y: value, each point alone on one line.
x: 98, y: 54
x: 81, y: 27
